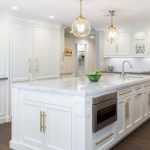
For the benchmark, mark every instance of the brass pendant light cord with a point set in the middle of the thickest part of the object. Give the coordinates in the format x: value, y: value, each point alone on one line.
x: 81, y: 5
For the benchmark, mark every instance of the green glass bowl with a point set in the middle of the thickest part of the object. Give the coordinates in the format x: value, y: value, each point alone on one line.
x: 94, y: 78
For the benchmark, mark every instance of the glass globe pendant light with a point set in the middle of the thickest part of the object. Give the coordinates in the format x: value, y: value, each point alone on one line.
x: 81, y: 26
x: 112, y: 34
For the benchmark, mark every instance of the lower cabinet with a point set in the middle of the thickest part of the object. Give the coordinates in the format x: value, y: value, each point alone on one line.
x: 138, y: 107
x: 46, y: 126
x: 124, y: 123
x: 146, y: 104
x: 4, y: 114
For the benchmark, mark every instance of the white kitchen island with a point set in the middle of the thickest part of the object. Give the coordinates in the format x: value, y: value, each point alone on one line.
x: 57, y: 114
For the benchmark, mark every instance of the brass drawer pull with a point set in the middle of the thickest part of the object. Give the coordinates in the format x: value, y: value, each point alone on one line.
x: 125, y: 93
x: 127, y: 110
x: 44, y: 126
x: 41, y: 121
x: 111, y: 134
x: 146, y: 85
x: 149, y: 99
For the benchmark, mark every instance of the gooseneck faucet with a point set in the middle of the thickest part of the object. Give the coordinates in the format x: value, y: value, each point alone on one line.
x: 123, y: 64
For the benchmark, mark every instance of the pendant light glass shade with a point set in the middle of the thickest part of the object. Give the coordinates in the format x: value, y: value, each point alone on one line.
x: 112, y: 34
x: 81, y: 26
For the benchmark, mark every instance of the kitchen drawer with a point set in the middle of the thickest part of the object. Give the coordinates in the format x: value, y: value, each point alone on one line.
x: 104, y: 138
x: 125, y: 93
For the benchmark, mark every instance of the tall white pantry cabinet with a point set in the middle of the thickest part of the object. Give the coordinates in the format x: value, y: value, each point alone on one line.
x: 29, y: 50
x: 35, y: 51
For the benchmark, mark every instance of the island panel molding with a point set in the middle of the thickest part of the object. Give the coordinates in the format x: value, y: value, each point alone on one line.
x: 67, y: 110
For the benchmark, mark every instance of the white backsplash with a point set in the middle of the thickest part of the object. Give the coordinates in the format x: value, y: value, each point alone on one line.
x: 139, y: 64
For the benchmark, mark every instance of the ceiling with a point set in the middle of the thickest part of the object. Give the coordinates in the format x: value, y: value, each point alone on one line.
x: 128, y: 11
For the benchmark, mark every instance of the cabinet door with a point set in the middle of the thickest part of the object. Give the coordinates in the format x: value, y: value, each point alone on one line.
x: 137, y: 108
x: 4, y: 47
x: 46, y: 50
x: 3, y: 102
x: 124, y: 44
x: 21, y: 51
x: 58, y: 128
x: 128, y: 112
x: 121, y: 119
x: 31, y: 124
x: 110, y: 49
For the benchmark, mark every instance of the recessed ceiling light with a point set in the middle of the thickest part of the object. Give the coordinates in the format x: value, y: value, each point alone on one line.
x: 14, y: 7
x: 51, y: 17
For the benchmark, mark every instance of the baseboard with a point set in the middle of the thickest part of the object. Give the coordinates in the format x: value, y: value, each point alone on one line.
x: 20, y: 146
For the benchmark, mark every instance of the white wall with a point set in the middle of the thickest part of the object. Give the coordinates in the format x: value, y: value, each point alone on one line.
x: 139, y: 64
x: 69, y: 63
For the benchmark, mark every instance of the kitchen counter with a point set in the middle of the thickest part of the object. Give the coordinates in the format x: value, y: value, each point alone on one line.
x: 58, y: 113
x: 81, y: 85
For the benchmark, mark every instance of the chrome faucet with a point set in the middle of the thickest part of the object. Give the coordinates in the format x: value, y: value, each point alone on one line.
x: 123, y: 64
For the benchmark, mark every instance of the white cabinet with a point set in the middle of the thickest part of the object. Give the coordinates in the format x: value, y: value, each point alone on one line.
x: 21, y: 51
x: 34, y: 51
x: 30, y: 124
x: 4, y: 47
x: 4, y: 108
x: 137, y: 108
x: 46, y: 52
x: 124, y: 116
x: 58, y: 127
x: 146, y: 104
x: 121, y: 48
x: 46, y: 126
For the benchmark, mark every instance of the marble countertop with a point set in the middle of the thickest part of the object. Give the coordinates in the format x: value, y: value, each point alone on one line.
x: 81, y: 85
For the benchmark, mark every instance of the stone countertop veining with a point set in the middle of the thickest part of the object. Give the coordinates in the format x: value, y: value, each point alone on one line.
x: 81, y: 85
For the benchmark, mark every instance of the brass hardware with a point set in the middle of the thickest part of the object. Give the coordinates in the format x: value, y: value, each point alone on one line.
x: 44, y: 126
x: 30, y: 65
x: 149, y: 99
x: 147, y: 85
x: 36, y: 65
x: 125, y: 93
x: 127, y: 110
x: 41, y: 121
x: 111, y: 134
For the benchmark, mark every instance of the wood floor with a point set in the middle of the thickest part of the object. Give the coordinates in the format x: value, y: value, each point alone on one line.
x: 5, y: 134
x: 138, y: 140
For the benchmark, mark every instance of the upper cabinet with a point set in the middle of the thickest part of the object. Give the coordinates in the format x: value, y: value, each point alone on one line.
x: 4, y: 47
x: 37, y: 49
x: 21, y: 51
x: 130, y: 44
x: 46, y: 52
x: 121, y: 48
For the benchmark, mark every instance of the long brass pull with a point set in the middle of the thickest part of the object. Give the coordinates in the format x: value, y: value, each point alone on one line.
x: 41, y: 121
x: 44, y: 124
x: 125, y: 93
x: 127, y: 110
x: 105, y: 138
x: 149, y: 99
